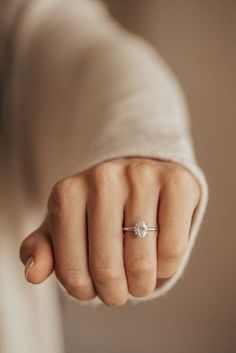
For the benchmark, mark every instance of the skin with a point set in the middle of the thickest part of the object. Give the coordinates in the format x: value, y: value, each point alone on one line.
x: 81, y: 237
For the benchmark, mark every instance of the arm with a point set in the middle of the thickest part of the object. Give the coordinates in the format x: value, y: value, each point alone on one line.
x: 83, y: 87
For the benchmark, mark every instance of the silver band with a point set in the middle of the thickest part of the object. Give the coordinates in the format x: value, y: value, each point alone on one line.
x: 140, y: 229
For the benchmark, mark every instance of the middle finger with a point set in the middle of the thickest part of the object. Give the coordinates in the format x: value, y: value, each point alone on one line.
x: 105, y: 218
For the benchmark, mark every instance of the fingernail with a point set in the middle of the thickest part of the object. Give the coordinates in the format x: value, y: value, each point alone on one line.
x: 29, y: 264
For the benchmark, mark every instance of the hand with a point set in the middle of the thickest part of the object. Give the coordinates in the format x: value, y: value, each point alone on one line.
x: 81, y: 237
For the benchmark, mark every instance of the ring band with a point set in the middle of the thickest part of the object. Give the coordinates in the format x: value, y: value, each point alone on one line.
x: 140, y: 229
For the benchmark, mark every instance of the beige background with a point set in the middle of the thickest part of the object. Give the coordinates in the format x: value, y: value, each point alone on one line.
x: 198, y: 39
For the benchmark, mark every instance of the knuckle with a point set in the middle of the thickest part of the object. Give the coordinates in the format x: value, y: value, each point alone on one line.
x: 24, y: 248
x: 140, y: 264
x: 179, y: 180
x: 28, y: 243
x: 105, y: 275
x: 104, y: 176
x: 73, y: 280
x: 65, y: 186
x: 173, y: 253
x: 64, y: 190
x: 141, y: 171
x: 179, y: 177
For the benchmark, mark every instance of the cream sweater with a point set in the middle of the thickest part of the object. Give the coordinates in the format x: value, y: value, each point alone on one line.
x: 76, y: 90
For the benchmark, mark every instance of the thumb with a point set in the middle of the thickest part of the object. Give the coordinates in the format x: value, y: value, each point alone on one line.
x: 37, y: 256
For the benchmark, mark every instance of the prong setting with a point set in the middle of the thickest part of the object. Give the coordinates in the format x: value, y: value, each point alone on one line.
x: 140, y: 229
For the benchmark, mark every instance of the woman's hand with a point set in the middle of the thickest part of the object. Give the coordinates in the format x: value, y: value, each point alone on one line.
x: 81, y: 237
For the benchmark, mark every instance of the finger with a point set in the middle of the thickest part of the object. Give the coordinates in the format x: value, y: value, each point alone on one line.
x: 105, y: 217
x: 36, y: 254
x: 140, y: 253
x: 174, y: 218
x: 67, y: 216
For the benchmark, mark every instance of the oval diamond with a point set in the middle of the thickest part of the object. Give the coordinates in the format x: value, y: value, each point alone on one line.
x: 141, y: 229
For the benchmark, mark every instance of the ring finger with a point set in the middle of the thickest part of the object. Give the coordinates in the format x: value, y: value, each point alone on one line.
x: 140, y: 253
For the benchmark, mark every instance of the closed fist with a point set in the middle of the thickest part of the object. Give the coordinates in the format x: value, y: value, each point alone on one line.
x: 82, y: 240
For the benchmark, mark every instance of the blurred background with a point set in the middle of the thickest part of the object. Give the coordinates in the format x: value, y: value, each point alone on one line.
x: 198, y: 40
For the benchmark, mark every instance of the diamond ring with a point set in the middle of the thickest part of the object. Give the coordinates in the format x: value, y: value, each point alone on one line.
x: 140, y: 229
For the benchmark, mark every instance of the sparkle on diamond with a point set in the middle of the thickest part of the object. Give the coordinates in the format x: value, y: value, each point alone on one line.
x: 141, y: 229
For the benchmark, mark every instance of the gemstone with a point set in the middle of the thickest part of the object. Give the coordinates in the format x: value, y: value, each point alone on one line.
x: 141, y: 229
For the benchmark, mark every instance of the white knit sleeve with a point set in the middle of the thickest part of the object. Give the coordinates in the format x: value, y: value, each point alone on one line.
x: 86, y: 91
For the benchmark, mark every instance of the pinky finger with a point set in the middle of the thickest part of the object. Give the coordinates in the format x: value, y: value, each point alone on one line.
x: 175, y: 215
